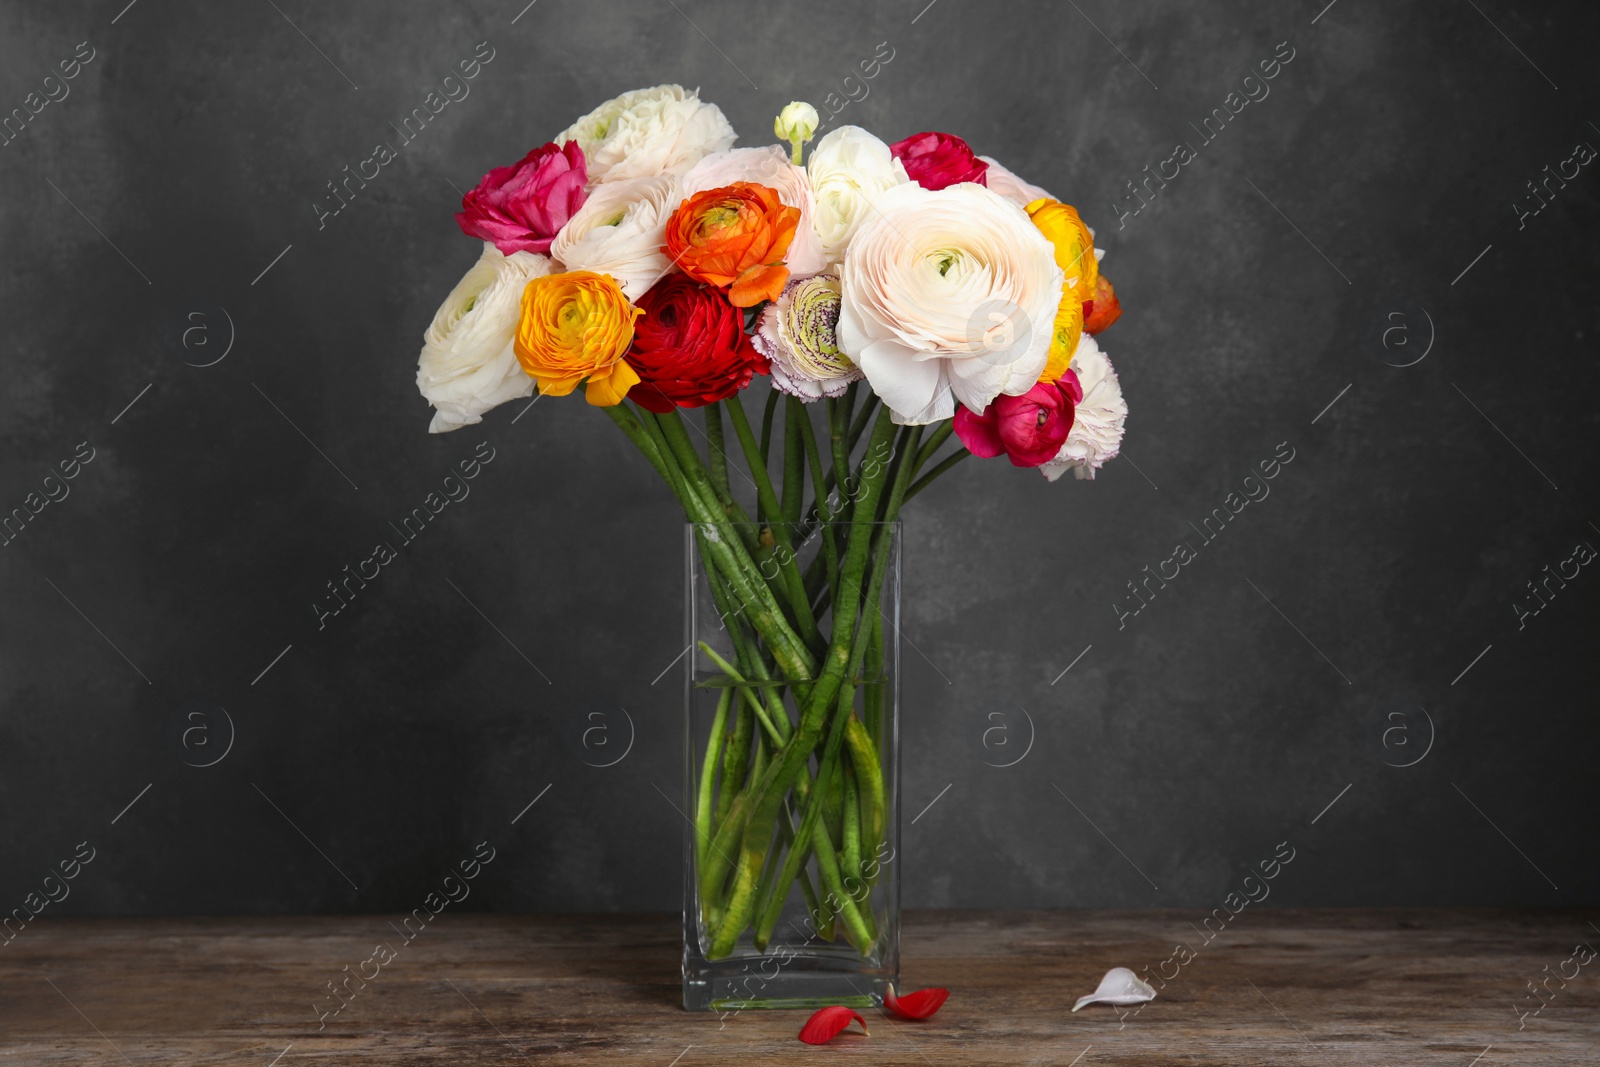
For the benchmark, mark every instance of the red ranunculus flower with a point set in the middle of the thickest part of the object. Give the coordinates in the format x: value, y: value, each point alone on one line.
x: 521, y: 208
x: 689, y: 347
x: 1029, y: 429
x: 935, y: 160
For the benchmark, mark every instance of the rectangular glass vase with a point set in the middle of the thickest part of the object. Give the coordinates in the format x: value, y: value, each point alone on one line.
x: 791, y: 893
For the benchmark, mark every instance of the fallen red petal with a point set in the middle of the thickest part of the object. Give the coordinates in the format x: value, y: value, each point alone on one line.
x: 825, y: 1024
x: 919, y: 1005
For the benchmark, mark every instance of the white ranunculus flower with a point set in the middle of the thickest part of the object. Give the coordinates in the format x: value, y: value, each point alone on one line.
x: 769, y: 166
x: 1098, y: 424
x: 649, y: 132
x: 948, y: 295
x: 620, y: 231
x: 849, y: 168
x: 1010, y: 186
x: 467, y: 364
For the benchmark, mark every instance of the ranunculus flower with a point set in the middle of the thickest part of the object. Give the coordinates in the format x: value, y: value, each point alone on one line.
x: 796, y: 123
x: 1104, y: 309
x: 1064, y: 334
x: 937, y: 160
x: 848, y: 169
x: 947, y: 296
x: 768, y: 166
x: 1102, y: 414
x: 522, y: 207
x: 467, y: 364
x: 1029, y: 429
x: 689, y: 348
x: 619, y: 231
x: 649, y: 132
x: 798, y: 334
x: 1008, y: 185
x: 734, y: 237
x: 1075, y: 255
x: 1074, y: 244
x: 577, y: 326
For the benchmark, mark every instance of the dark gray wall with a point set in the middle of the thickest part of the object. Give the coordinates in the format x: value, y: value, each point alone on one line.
x: 1181, y: 747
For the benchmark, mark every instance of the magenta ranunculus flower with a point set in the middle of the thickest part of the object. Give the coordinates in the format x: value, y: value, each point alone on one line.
x: 521, y: 208
x: 1029, y: 429
x: 935, y: 160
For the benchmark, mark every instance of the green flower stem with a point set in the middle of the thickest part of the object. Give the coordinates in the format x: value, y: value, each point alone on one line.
x: 830, y: 548
x: 744, y: 651
x: 860, y: 422
x: 708, y: 767
x: 856, y: 929
x: 680, y: 453
x: 805, y: 837
x: 780, y: 773
x: 838, y: 431
x: 852, y: 820
x: 735, y: 759
x: 872, y: 668
x: 944, y: 465
x: 784, y: 554
x: 931, y: 445
x: 766, y: 425
x: 720, y: 856
x: 791, y: 653
x: 631, y: 425
x: 794, y: 457
x: 867, y: 779
x: 742, y: 685
x: 716, y: 459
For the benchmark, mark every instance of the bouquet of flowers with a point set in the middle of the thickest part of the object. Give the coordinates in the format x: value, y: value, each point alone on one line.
x: 895, y: 294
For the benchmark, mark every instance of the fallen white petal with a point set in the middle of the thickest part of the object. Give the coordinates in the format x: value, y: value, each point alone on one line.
x: 1119, y: 986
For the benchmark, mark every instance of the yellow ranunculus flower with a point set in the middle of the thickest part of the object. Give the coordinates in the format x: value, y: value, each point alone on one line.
x: 1074, y: 247
x: 577, y: 326
x: 1075, y: 255
x: 1066, y: 331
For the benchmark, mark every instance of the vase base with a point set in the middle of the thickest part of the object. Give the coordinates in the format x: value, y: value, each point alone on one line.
x: 796, y: 987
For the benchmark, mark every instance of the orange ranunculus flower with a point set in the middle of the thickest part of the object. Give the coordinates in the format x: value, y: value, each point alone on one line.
x: 577, y: 326
x: 734, y: 238
x: 1104, y: 309
x: 1075, y: 255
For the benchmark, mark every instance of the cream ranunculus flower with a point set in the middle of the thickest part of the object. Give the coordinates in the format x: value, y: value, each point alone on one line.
x: 1010, y: 186
x: 948, y: 295
x: 1097, y: 427
x: 467, y: 365
x: 769, y: 166
x: 620, y: 231
x: 798, y: 335
x: 849, y: 168
x: 649, y: 132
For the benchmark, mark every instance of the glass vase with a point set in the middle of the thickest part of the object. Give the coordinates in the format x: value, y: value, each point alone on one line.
x: 800, y: 910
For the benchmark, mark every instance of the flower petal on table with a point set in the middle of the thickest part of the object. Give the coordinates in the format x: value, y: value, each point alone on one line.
x: 918, y: 1005
x: 825, y: 1024
x: 1119, y: 986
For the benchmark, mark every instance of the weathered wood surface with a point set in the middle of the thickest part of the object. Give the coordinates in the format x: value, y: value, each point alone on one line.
x: 1324, y: 987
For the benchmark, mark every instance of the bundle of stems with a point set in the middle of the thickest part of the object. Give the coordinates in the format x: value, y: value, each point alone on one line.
x: 791, y: 789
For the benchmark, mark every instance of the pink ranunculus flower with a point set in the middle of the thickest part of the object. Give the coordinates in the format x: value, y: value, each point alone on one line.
x: 521, y: 208
x: 1015, y: 189
x: 937, y: 160
x: 1030, y: 429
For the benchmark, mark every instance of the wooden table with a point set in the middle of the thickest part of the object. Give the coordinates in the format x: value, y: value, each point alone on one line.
x: 1369, y: 987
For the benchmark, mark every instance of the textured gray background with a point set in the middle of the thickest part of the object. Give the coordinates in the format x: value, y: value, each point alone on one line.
x: 1189, y: 743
